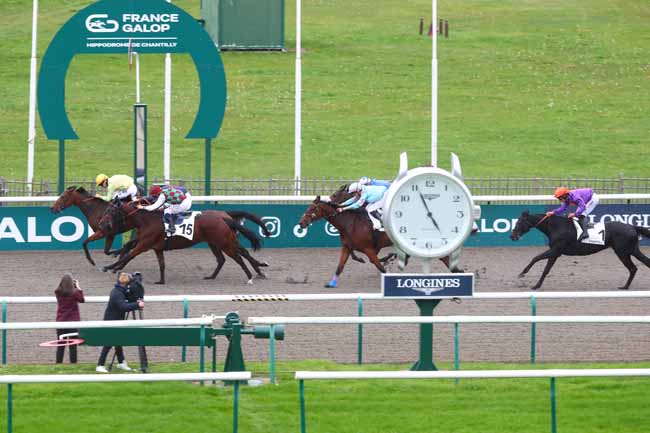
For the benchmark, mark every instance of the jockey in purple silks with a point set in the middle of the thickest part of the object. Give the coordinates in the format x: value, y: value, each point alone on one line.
x: 586, y: 201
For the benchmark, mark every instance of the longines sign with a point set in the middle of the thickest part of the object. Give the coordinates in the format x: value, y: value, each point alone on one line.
x: 427, y: 286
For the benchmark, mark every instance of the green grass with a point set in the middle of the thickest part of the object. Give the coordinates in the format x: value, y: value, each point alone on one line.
x: 532, y: 88
x: 492, y: 405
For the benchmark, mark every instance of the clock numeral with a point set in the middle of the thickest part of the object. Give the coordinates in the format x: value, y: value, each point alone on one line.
x: 405, y: 198
x: 414, y: 187
x: 402, y: 229
x: 456, y: 199
x: 428, y: 245
x: 399, y: 214
x: 446, y: 187
x: 444, y: 241
x: 430, y: 183
x: 460, y: 214
x: 455, y: 229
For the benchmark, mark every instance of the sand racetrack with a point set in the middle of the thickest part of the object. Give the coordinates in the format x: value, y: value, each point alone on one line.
x: 306, y: 270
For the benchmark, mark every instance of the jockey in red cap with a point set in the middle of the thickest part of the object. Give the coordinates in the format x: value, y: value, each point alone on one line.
x: 174, y: 199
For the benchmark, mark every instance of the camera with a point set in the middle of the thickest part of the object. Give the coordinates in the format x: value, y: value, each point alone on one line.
x: 135, y: 289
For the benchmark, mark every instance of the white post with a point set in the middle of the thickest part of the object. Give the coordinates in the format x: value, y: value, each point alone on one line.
x: 434, y: 84
x: 168, y: 117
x: 137, y: 77
x: 298, y: 105
x: 31, y: 129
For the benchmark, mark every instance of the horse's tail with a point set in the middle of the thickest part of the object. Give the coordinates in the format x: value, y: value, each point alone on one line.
x: 256, y: 243
x: 642, y: 231
x: 239, y: 215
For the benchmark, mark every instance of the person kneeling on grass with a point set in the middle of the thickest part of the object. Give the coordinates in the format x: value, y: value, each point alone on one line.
x: 117, y: 309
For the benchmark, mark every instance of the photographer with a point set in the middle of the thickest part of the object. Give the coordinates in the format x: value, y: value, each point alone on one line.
x: 126, y: 296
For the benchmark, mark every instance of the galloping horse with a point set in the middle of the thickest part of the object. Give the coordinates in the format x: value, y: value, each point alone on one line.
x: 93, y: 209
x: 623, y: 238
x: 355, y: 229
x: 218, y: 229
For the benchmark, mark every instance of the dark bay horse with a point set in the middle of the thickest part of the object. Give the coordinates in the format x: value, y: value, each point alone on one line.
x: 561, y: 233
x: 218, y: 229
x: 93, y: 209
x: 357, y: 234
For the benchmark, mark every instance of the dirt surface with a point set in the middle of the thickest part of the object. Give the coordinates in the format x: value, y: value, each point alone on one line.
x: 306, y: 271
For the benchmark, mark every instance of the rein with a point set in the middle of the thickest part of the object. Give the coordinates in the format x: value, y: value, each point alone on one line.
x: 542, y: 220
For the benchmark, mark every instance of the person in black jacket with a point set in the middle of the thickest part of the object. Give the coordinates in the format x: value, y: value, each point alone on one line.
x: 118, y: 307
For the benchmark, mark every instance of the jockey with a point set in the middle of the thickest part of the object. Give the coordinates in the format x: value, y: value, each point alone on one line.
x: 373, y: 195
x: 119, y: 186
x: 356, y: 186
x: 175, y: 199
x: 586, y: 201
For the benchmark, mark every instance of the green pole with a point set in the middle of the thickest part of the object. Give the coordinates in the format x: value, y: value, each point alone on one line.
x: 553, y: 417
x: 4, y: 333
x: 272, y: 354
x: 303, y: 422
x: 202, y: 346
x: 9, y: 408
x: 425, y: 362
x: 456, y: 350
x: 186, y: 309
x: 208, y: 159
x: 533, y: 328
x: 235, y: 408
x: 360, y: 332
x: 61, y: 166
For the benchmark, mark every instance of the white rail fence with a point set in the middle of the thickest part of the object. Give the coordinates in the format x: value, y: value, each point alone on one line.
x: 5, y: 301
x: 301, y: 376
x: 234, y: 377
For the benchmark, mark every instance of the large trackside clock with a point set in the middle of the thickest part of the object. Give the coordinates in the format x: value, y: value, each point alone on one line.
x: 429, y: 212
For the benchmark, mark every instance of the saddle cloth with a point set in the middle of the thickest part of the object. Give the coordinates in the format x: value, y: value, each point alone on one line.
x: 184, y: 226
x: 596, y: 233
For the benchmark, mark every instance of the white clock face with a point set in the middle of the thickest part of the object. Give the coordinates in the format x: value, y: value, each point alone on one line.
x: 429, y: 214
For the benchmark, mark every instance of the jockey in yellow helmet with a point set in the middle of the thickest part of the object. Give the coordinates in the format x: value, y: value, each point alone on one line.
x: 118, y: 186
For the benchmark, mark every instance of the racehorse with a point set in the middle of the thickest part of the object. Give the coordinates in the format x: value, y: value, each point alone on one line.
x: 93, y: 209
x: 218, y: 229
x: 357, y: 234
x: 561, y: 233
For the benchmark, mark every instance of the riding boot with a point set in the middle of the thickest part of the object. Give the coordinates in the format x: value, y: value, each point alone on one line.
x: 376, y: 220
x: 583, y: 224
x: 171, y: 226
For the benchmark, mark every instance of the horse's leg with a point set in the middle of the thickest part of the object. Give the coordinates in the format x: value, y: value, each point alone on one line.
x: 372, y: 256
x: 254, y: 263
x: 160, y: 255
x: 95, y: 236
x: 343, y: 258
x: 220, y: 261
x: 553, y: 252
x: 126, y: 248
x: 356, y: 258
x: 234, y: 254
x: 120, y: 263
x: 547, y: 268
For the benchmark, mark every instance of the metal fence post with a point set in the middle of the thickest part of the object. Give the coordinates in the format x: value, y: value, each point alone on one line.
x: 303, y: 422
x: 186, y: 308
x: 235, y: 408
x: 533, y: 328
x: 9, y: 408
x: 272, y: 354
x: 553, y: 415
x: 456, y: 350
x: 4, y: 333
x: 360, y: 332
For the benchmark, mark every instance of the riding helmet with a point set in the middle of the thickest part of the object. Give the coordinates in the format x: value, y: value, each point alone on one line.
x: 100, y: 179
x: 561, y: 191
x: 354, y: 187
x: 155, y: 190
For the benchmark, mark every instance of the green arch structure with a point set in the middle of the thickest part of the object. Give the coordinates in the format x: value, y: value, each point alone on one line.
x: 152, y: 26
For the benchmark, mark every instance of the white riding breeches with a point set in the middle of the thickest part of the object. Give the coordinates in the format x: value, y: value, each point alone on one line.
x: 131, y: 191
x: 376, y: 206
x: 183, y: 206
x: 591, y: 205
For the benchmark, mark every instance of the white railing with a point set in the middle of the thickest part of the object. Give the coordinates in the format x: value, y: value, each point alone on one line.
x: 145, y: 323
x: 301, y: 376
x: 308, y: 198
x: 234, y: 377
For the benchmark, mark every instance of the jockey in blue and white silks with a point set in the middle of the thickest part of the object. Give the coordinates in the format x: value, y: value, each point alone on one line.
x: 356, y: 186
x: 370, y: 195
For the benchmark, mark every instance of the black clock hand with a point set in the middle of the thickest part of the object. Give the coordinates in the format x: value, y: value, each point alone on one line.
x: 429, y: 214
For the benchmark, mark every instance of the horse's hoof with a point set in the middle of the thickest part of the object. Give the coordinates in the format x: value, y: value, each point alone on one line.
x: 209, y: 277
x: 261, y: 276
x: 250, y: 282
x: 159, y: 282
x: 522, y: 275
x: 330, y: 285
x: 535, y: 287
x: 623, y: 288
x: 264, y: 265
x: 104, y: 269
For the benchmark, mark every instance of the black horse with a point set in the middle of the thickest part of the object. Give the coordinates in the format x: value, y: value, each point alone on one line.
x: 561, y: 233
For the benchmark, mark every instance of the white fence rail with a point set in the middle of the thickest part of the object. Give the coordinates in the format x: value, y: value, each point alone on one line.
x: 145, y: 323
x: 308, y: 198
